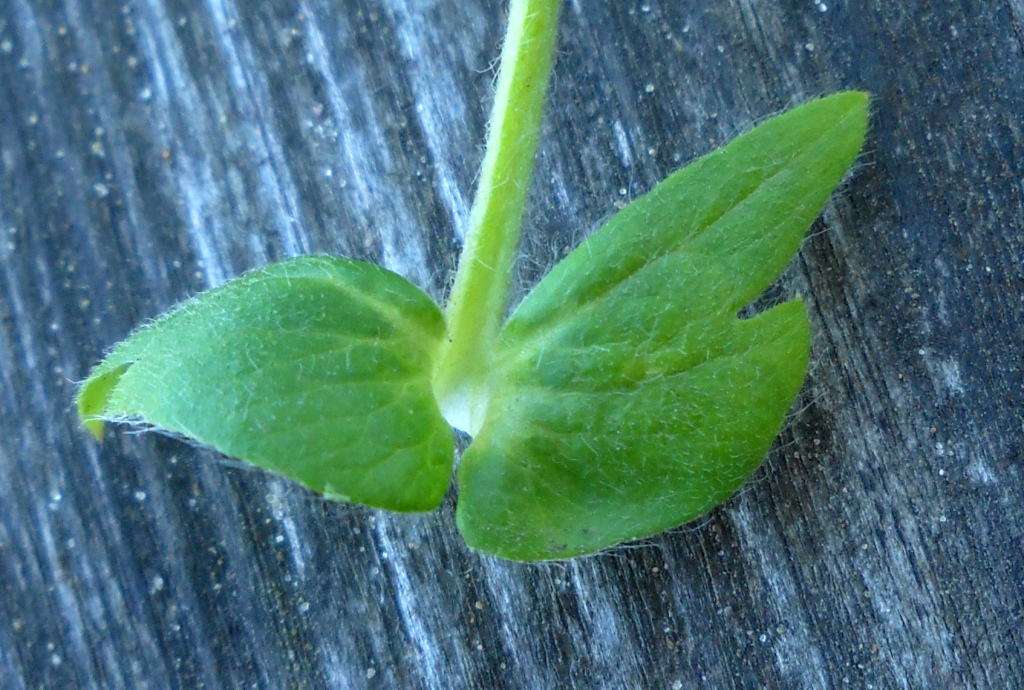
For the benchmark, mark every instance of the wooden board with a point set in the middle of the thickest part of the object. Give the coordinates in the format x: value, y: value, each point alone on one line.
x: 151, y: 149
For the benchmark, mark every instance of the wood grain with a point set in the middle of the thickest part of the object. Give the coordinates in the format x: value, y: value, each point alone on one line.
x: 155, y: 148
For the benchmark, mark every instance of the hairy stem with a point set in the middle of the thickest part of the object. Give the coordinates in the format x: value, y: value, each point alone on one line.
x: 477, y: 302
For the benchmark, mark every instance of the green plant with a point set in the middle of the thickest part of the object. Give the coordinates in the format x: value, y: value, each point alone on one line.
x: 623, y: 396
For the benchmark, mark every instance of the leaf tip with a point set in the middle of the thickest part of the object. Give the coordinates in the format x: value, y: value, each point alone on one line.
x: 858, y: 107
x: 94, y: 394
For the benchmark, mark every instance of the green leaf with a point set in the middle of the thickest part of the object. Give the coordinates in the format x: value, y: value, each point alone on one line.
x: 316, y: 368
x: 628, y: 397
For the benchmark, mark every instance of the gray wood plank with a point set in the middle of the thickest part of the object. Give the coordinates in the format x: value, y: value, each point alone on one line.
x: 155, y: 148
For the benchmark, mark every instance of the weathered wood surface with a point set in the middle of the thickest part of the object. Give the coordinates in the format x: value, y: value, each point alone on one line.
x: 151, y: 149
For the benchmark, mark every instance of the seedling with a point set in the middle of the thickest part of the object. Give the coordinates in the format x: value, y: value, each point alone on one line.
x: 623, y: 396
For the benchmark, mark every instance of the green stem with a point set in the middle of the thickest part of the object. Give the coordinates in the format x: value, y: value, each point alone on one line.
x: 476, y: 306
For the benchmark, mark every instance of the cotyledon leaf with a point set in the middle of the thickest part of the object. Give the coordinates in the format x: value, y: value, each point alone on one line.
x: 628, y: 397
x: 317, y: 368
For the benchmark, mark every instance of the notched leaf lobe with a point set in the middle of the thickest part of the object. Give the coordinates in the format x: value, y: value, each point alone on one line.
x: 629, y: 398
